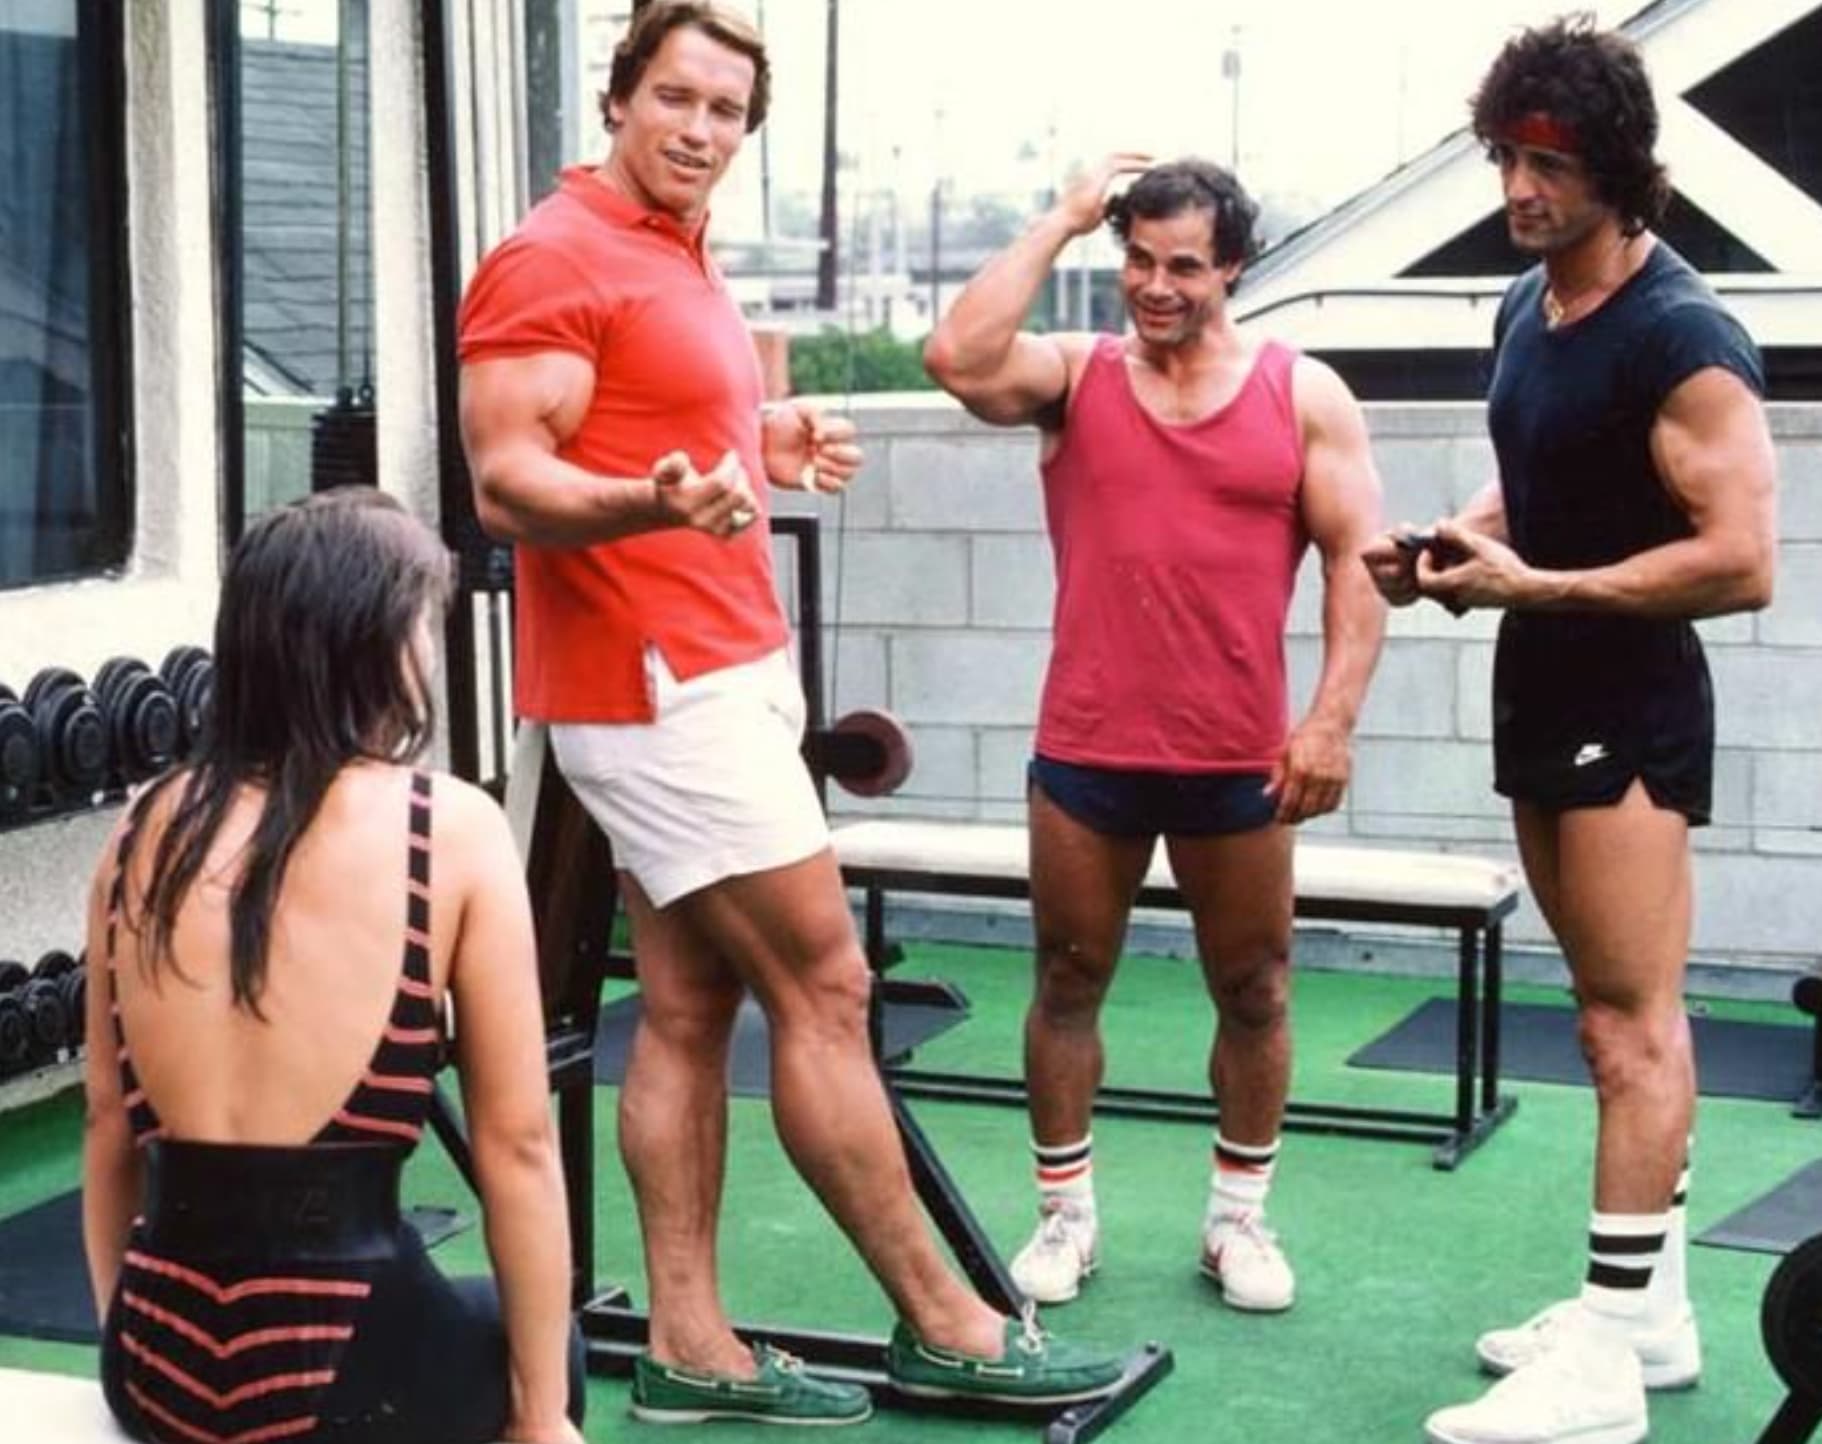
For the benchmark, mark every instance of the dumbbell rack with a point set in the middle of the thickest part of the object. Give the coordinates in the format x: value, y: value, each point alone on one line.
x: 67, y: 746
x: 42, y: 1014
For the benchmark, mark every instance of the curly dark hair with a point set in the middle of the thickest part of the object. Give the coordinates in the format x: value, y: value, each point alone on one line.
x: 1191, y: 184
x: 655, y: 19
x: 1594, y: 82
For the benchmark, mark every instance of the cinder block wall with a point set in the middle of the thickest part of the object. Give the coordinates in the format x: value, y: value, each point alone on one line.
x: 937, y: 588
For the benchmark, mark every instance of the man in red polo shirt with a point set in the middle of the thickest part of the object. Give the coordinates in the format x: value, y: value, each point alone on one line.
x: 611, y: 412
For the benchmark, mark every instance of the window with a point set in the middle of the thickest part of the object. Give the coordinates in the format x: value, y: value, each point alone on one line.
x: 65, y: 492
x: 301, y: 203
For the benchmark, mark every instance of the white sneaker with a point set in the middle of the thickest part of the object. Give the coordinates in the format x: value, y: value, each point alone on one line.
x: 1242, y: 1255
x: 1585, y: 1389
x: 1050, y: 1268
x: 1669, y: 1354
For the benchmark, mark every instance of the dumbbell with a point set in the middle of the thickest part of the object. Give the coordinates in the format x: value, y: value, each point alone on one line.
x: 72, y: 735
x: 70, y: 978
x: 47, y: 1022
x: 141, y: 715
x: 190, y: 674
x: 867, y: 751
x: 15, y: 1034
x: 18, y: 757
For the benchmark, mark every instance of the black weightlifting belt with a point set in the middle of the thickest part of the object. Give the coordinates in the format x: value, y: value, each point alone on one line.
x: 330, y: 1202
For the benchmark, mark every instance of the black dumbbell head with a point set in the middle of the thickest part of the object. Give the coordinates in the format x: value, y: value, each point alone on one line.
x: 15, y: 1035
x: 20, y: 765
x: 54, y: 964
x: 13, y: 975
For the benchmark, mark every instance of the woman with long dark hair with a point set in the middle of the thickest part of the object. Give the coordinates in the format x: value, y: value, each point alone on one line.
x: 275, y: 927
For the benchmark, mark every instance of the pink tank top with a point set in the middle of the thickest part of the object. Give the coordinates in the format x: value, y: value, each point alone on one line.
x: 1176, y: 552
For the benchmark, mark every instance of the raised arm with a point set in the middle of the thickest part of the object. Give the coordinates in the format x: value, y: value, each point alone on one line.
x: 1713, y: 450
x: 499, y: 1036
x: 978, y: 353
x: 517, y: 412
x: 1341, y: 512
x: 113, y: 1180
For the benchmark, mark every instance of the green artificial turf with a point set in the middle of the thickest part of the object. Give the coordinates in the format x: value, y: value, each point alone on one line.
x: 1398, y: 1265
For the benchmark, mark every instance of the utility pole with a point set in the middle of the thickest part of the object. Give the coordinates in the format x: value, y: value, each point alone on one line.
x: 1230, y: 70
x: 936, y: 226
x: 827, y: 267
x: 765, y: 164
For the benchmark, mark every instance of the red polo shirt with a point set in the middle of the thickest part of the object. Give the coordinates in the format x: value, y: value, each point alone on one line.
x: 593, y: 273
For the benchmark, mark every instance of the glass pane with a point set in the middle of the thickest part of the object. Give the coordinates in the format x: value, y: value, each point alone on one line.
x: 306, y: 288
x: 63, y: 509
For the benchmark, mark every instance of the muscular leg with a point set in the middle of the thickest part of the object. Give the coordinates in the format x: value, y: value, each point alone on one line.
x: 789, y: 934
x: 1622, y: 914
x: 673, y: 1132
x: 1082, y: 886
x: 1238, y: 887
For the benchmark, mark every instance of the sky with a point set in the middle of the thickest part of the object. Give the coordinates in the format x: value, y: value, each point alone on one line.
x: 1332, y: 94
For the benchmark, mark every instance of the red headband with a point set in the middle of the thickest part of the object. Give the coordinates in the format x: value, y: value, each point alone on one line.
x: 1542, y: 131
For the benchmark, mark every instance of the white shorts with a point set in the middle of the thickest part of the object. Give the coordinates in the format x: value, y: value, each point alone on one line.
x: 713, y: 788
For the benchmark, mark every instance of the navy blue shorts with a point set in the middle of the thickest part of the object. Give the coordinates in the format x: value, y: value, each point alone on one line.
x: 1120, y: 803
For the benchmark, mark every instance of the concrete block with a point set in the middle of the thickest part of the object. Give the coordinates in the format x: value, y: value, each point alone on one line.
x: 1787, y: 793
x: 856, y: 668
x: 1427, y: 619
x: 1012, y: 582
x: 1800, y: 490
x: 1491, y: 835
x: 944, y: 767
x: 1734, y: 630
x: 1430, y: 779
x: 1412, y: 693
x: 1305, y: 616
x: 1733, y: 794
x: 1001, y: 756
x: 961, y: 677
x: 1794, y: 619
x: 1765, y: 698
x: 990, y: 484
x: 1472, y: 465
x: 1418, y: 474
x: 1758, y: 904
x: 898, y: 580
x: 1474, y: 691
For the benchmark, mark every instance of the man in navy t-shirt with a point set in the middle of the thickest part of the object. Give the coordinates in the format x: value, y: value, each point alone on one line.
x: 1635, y: 493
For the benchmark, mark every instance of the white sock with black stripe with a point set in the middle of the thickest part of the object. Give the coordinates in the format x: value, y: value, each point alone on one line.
x: 1623, y: 1251
x: 1668, y: 1294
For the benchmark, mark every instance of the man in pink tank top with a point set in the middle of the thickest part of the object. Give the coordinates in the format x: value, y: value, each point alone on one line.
x: 1186, y: 466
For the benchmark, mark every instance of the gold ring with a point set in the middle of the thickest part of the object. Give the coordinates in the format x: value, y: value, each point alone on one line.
x: 742, y: 517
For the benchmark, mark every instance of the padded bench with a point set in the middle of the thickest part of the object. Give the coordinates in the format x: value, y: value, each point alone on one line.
x: 1471, y: 896
x: 57, y: 1407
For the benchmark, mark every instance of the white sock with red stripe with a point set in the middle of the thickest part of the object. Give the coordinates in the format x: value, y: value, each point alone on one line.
x: 1241, y: 1179
x: 1065, y: 1174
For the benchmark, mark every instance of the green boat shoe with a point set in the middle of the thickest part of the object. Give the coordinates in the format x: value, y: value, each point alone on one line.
x: 781, y: 1393
x: 1034, y: 1368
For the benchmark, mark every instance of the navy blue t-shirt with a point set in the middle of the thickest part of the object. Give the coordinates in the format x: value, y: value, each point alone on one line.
x: 1571, y: 412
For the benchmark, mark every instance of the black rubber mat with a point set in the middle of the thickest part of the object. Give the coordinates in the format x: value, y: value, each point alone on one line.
x: 1776, y: 1222
x: 907, y: 1025
x: 1734, y: 1059
x: 44, y: 1278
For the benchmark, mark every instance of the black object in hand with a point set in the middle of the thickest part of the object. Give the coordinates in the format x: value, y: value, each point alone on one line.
x: 1443, y: 552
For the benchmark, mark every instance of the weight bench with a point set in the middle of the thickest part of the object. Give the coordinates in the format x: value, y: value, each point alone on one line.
x: 1471, y: 896
x: 57, y: 1407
